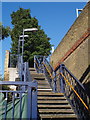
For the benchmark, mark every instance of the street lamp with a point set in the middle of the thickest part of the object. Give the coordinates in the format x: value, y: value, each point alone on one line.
x: 30, y: 29
x: 26, y: 30
x: 21, y: 36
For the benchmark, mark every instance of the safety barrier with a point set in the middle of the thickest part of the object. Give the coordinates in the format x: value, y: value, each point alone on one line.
x: 19, y: 104
x: 22, y: 101
x: 62, y: 80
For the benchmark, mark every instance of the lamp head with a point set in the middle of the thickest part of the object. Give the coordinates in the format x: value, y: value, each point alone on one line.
x: 23, y: 36
x: 30, y: 29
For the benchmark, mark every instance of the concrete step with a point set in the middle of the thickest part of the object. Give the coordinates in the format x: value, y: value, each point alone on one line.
x: 32, y: 69
x: 54, y: 106
x: 38, y: 77
x: 33, y: 73
x: 37, y: 74
x: 51, y: 98
x: 43, y: 87
x: 52, y: 102
x: 50, y: 94
x: 45, y: 90
x: 51, y: 105
x: 69, y: 111
x: 43, y: 83
x: 63, y: 116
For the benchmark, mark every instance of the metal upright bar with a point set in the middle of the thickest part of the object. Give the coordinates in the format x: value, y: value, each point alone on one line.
x: 34, y: 103
x: 61, y: 79
x: 13, y: 99
x: 55, y: 82
x: 20, y: 106
x: 29, y: 103
x: 6, y: 106
x: 23, y: 46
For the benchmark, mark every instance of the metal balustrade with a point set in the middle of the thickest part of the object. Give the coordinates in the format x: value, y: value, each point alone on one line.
x: 19, y: 103
x: 42, y: 65
x: 22, y: 68
x: 74, y: 91
x: 62, y: 80
x: 22, y: 101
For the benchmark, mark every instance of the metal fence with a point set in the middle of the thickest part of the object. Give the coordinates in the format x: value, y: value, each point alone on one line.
x: 18, y: 104
x: 42, y: 66
x: 62, y: 80
x: 74, y: 91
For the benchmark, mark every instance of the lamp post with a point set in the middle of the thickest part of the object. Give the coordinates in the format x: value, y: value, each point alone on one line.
x: 21, y: 40
x: 23, y: 36
x: 26, y: 30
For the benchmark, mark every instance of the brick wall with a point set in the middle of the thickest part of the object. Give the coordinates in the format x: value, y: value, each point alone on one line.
x: 73, y: 50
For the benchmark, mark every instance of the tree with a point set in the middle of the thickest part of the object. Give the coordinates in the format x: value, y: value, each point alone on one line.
x: 3, y: 87
x: 37, y: 43
x: 4, y: 32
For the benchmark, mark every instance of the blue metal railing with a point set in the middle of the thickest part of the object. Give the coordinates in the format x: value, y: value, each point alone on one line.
x: 74, y: 91
x: 20, y: 101
x: 23, y: 99
x: 42, y: 65
x: 16, y: 61
x: 62, y: 80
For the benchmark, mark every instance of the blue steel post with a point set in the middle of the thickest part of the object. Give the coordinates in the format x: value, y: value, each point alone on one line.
x: 6, y: 106
x: 23, y: 46
x: 55, y: 82
x: 13, y: 100
x: 43, y: 64
x: 61, y: 79
x: 28, y: 75
x: 34, y: 102
x: 20, y: 106
x: 34, y: 62
x: 29, y: 103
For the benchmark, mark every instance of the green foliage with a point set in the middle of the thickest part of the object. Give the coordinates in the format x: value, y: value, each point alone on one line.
x: 37, y: 43
x: 3, y: 87
x: 4, y: 32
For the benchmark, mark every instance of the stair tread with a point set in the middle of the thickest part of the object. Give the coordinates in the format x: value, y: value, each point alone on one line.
x: 40, y: 86
x: 32, y: 69
x: 50, y: 93
x: 56, y: 110
x: 37, y: 74
x: 45, y: 90
x: 57, y: 115
x: 51, y: 105
x: 51, y: 98
x: 52, y: 101
x: 39, y: 78
x: 54, y: 106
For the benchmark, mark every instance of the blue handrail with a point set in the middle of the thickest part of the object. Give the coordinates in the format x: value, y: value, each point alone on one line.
x: 27, y: 105
x: 21, y: 101
x: 62, y: 80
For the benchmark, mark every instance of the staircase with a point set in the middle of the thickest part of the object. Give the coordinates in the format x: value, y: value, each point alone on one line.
x: 51, y: 105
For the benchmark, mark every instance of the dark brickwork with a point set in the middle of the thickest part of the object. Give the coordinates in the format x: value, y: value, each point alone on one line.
x: 73, y: 50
